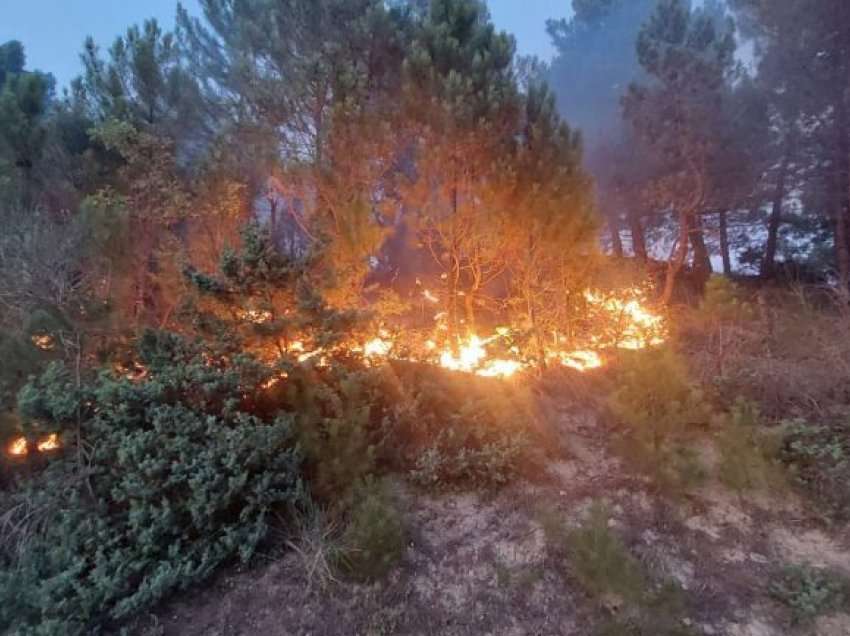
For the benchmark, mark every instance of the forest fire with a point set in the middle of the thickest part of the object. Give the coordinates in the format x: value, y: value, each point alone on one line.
x: 49, y: 443
x: 43, y: 342
x: 19, y: 446
x: 472, y: 358
x: 620, y: 320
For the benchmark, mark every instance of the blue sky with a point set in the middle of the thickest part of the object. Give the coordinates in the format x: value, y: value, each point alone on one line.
x: 53, y: 30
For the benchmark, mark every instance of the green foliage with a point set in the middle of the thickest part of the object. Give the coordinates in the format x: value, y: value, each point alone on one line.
x: 749, y: 455
x: 809, y: 592
x: 658, y: 404
x: 375, y: 538
x: 24, y: 106
x: 722, y: 302
x: 605, y: 569
x: 20, y: 359
x: 600, y: 561
x: 819, y: 456
x: 178, y: 479
x: 456, y: 429
x: 338, y: 417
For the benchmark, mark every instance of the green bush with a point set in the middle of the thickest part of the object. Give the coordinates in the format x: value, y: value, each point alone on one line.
x: 810, y: 593
x: 374, y: 539
x: 819, y: 456
x: 722, y: 302
x: 602, y: 565
x: 338, y: 413
x: 600, y: 561
x: 749, y: 455
x: 657, y: 403
x: 177, y: 479
x: 450, y: 429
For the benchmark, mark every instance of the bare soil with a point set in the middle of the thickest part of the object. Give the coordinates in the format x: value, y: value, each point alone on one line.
x: 478, y: 563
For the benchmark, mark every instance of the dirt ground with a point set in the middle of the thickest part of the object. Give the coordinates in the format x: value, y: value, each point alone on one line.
x: 479, y: 564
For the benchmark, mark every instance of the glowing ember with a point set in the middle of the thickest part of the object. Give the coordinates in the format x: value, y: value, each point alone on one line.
x: 256, y: 316
x: 581, y: 360
x: 43, y: 342
x: 274, y: 380
x: 19, y: 447
x: 49, y: 443
x: 429, y: 296
x: 303, y: 354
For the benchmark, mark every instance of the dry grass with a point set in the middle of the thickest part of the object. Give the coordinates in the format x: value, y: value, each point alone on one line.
x: 317, y: 548
x: 791, y: 355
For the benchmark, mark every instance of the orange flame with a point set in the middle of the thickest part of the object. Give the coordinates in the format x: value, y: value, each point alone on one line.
x: 19, y: 447
x: 624, y: 321
x: 49, y: 443
x: 43, y: 342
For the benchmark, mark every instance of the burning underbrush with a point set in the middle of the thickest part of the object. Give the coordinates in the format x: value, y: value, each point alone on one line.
x: 188, y: 451
x: 189, y: 464
x: 622, y: 319
x: 611, y: 321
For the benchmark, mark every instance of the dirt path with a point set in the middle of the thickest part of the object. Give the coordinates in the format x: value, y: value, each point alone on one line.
x: 479, y: 564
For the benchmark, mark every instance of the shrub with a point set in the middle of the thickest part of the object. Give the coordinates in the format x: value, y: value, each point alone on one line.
x: 338, y: 414
x: 178, y: 480
x: 374, y: 539
x: 602, y: 564
x: 451, y: 429
x: 819, y: 456
x: 600, y: 561
x: 810, y: 593
x: 749, y: 456
x: 657, y: 403
x: 722, y: 302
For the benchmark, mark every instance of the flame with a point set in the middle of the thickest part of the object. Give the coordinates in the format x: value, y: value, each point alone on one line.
x: 49, y: 443
x: 274, y: 380
x: 581, y: 360
x: 43, y: 342
x: 472, y: 358
x: 622, y: 321
x: 638, y: 327
x: 430, y: 297
x: 256, y: 316
x: 377, y: 348
x: 303, y: 354
x: 19, y: 447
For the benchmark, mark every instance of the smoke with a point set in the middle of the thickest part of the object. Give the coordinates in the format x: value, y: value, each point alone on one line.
x: 595, y: 62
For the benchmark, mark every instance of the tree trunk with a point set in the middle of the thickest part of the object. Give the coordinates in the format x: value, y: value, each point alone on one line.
x: 768, y: 265
x: 614, y: 229
x: 638, y: 240
x: 702, y: 259
x: 674, y: 266
x: 454, y: 275
x: 724, y: 244
x: 842, y: 213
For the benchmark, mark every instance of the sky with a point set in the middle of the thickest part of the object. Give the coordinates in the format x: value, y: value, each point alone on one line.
x: 53, y: 31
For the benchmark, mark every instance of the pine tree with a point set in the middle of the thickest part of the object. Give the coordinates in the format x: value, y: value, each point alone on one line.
x: 690, y: 55
x: 463, y: 105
